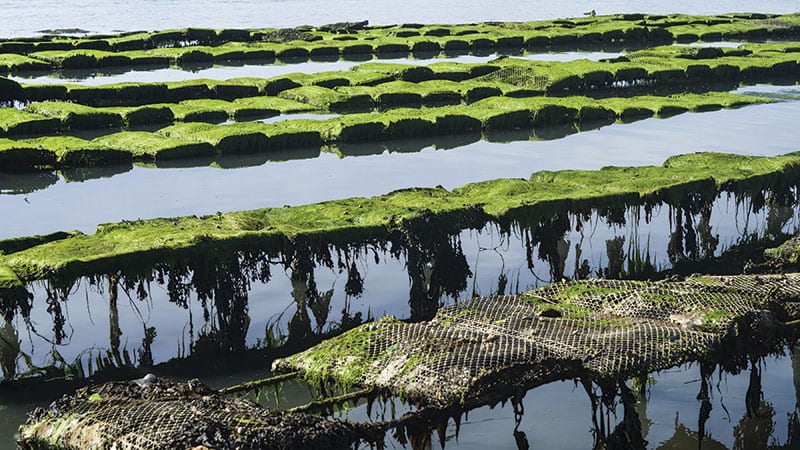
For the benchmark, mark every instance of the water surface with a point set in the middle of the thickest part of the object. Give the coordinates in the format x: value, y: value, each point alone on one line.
x: 26, y: 18
x: 44, y: 204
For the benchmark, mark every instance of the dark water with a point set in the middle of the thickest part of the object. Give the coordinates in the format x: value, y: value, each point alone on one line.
x: 193, y: 335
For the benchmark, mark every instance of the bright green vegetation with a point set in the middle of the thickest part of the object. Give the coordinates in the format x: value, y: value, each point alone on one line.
x: 328, y: 99
x: 248, y: 137
x: 10, y: 62
x: 714, y: 321
x: 82, y: 59
x: 140, y: 243
x: 788, y: 252
x: 191, y: 45
x: 75, y: 117
x: 144, y: 115
x: 487, y: 115
x: 352, y: 349
x: 564, y: 305
x: 282, y: 105
x: 8, y: 278
x: 21, y: 155
x: 213, y: 111
x: 57, y: 151
x: 142, y: 146
x: 14, y: 121
x: 75, y: 152
x: 118, y: 94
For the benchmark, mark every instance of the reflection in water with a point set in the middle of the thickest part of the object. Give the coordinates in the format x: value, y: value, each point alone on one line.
x: 536, y: 246
x: 685, y: 439
x: 215, y: 304
x: 80, y: 174
x: 25, y: 183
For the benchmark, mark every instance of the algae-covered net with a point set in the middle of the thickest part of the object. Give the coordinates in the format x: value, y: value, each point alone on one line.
x: 166, y: 415
x: 488, y: 349
x: 787, y: 253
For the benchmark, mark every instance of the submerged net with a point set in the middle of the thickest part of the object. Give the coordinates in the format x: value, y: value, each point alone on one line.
x: 165, y: 415
x: 487, y: 349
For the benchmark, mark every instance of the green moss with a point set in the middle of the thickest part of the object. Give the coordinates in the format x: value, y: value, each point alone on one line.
x: 14, y: 121
x: 76, y: 152
x: 581, y: 290
x: 344, y: 359
x: 714, y: 321
x: 213, y: 111
x: 119, y: 94
x: 77, y: 117
x: 188, y: 90
x: 144, y: 115
x: 328, y: 99
x: 9, y: 278
x: 268, y: 103
x: 156, y: 239
x: 8, y: 246
x: 237, y: 138
x: 145, y: 146
x: 16, y: 156
x: 10, y: 62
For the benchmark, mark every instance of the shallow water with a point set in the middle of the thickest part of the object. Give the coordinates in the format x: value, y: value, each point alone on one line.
x: 558, y: 415
x: 26, y: 18
x: 99, y: 77
x: 45, y: 204
x: 551, y: 410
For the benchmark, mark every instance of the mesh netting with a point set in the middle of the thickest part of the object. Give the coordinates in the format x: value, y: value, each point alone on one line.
x: 478, y: 351
x: 519, y: 76
x: 787, y: 253
x: 126, y: 416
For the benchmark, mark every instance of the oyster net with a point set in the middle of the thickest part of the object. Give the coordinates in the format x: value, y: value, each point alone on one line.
x: 485, y: 349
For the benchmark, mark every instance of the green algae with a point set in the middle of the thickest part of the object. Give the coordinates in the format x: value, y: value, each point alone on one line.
x: 138, y: 242
x: 353, y: 128
x: 247, y: 137
x: 14, y: 122
x: 20, y: 156
x: 268, y: 103
x: 118, y: 94
x: 143, y: 146
x: 12, y: 63
x: 17, y: 244
x: 229, y: 139
x: 489, y: 115
x: 328, y: 99
x: 213, y: 111
x: 352, y: 350
x: 75, y: 152
x: 57, y: 152
x: 133, y: 116
x: 75, y: 116
x: 788, y: 252
x: 82, y: 59
x: 201, y: 45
